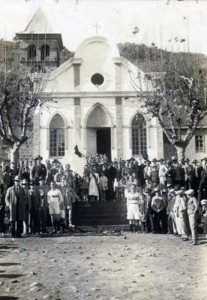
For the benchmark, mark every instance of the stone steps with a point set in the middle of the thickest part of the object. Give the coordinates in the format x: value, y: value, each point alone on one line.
x: 99, y: 213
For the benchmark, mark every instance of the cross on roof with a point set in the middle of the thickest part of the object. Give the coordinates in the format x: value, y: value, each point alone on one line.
x: 96, y: 27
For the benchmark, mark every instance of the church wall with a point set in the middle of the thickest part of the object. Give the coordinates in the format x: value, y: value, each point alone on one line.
x: 63, y: 83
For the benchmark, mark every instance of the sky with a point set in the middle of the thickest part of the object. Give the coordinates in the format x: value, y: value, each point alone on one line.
x: 161, y: 22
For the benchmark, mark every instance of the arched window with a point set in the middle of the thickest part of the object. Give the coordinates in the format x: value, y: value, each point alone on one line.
x: 45, y: 51
x: 31, y: 52
x: 57, y: 137
x: 139, y: 136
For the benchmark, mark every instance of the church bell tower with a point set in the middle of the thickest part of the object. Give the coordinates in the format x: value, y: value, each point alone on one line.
x: 40, y: 47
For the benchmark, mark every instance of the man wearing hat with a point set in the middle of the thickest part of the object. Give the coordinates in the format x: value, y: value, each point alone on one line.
x: 170, y: 212
x: 197, y: 169
x: 158, y: 206
x: 26, y: 223
x: 147, y: 173
x: 192, y: 208
x: 16, y: 201
x: 162, y: 173
x: 35, y: 209
x: 38, y: 170
x: 170, y: 174
x: 180, y: 212
x: 179, y: 172
x: 204, y: 215
x: 203, y: 180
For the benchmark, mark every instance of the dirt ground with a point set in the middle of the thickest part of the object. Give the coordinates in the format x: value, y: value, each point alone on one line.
x: 110, y: 266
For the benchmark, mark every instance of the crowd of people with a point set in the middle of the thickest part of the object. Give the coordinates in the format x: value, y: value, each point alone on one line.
x: 162, y: 196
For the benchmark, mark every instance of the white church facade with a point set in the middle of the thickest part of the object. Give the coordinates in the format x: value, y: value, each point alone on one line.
x: 95, y: 104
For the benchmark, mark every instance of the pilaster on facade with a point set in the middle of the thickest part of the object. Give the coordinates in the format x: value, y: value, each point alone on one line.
x: 119, y: 129
x: 77, y: 116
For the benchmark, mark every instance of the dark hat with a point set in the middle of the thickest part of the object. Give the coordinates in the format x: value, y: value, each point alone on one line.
x: 55, y: 161
x: 177, y: 187
x: 38, y: 157
x: 169, y: 162
x: 147, y: 161
x: 161, y: 159
x: 194, y: 161
x: 154, y: 159
x: 205, y: 158
x: 187, y: 160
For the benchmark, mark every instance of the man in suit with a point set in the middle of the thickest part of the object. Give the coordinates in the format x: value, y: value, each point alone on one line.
x: 38, y: 170
x: 16, y: 201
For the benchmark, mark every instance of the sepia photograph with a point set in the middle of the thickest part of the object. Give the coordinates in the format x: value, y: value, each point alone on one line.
x: 103, y: 149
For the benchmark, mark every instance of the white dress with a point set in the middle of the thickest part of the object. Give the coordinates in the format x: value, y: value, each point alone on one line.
x: 93, y: 188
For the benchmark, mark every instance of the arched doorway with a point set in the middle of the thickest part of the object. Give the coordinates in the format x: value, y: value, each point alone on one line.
x: 98, y: 132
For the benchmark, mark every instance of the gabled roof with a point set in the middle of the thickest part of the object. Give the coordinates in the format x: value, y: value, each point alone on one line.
x: 39, y: 24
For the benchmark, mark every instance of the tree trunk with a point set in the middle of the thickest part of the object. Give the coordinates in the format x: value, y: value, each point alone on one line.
x: 14, y: 156
x: 180, y: 152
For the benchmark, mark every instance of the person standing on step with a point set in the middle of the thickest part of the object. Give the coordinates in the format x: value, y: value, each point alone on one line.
x: 93, y: 191
x: 103, y: 185
x: 38, y: 170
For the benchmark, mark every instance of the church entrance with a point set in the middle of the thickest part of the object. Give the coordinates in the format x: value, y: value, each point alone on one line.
x: 98, y: 136
x: 103, y: 138
x: 99, y: 141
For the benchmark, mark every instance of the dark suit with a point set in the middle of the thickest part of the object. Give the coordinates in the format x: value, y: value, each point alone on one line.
x: 38, y: 172
x: 16, y: 200
x: 111, y: 175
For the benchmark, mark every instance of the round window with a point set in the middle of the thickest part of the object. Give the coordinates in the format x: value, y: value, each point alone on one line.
x: 97, y: 79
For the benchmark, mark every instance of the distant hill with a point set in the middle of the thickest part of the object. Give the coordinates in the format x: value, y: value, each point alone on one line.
x: 153, y: 59
x: 147, y: 58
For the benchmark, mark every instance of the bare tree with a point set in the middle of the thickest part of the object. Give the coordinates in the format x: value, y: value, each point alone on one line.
x: 19, y: 96
x: 176, y: 97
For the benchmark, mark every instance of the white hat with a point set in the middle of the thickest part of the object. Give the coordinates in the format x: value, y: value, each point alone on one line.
x: 203, y: 202
x: 190, y: 192
x: 16, y: 178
